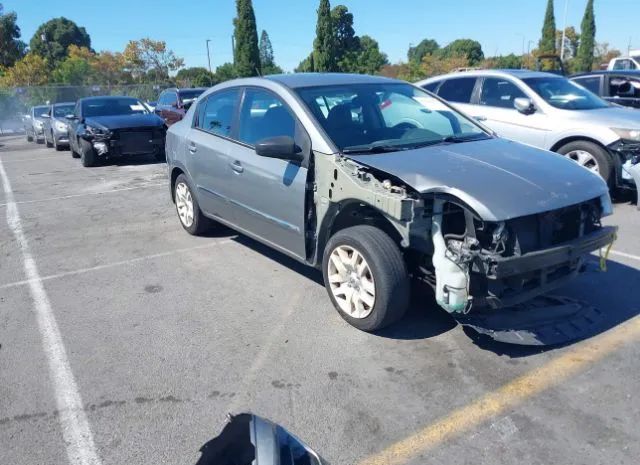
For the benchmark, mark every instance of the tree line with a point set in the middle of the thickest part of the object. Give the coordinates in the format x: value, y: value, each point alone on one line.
x: 60, y: 52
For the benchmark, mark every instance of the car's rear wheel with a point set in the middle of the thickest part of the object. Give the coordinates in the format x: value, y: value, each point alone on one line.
x: 88, y: 155
x: 366, y: 277
x: 589, y: 155
x: 189, y: 213
x: 29, y: 137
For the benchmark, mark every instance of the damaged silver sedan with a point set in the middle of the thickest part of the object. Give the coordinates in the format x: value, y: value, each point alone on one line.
x: 375, y: 182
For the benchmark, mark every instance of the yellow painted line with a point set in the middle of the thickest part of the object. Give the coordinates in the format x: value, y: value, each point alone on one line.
x: 508, y: 396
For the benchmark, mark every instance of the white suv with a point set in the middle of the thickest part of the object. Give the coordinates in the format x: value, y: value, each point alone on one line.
x: 550, y: 112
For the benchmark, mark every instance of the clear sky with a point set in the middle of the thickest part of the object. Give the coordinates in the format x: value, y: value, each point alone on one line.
x: 500, y: 26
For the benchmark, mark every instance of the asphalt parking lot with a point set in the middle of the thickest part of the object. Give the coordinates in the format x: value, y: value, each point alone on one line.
x: 165, y: 333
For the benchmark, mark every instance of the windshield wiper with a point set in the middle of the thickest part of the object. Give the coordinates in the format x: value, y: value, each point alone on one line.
x: 459, y: 139
x: 373, y: 148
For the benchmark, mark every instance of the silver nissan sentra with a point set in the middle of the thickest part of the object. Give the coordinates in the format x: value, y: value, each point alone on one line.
x: 374, y: 180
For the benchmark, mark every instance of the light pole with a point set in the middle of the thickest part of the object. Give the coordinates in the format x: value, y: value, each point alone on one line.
x: 564, y: 30
x: 208, y: 54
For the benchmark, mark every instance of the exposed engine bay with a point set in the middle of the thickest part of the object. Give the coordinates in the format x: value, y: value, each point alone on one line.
x: 471, y: 263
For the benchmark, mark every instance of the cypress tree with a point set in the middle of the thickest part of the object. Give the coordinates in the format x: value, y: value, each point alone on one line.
x: 247, y: 54
x: 324, y: 45
x: 266, y: 50
x: 584, y: 61
x: 547, y: 44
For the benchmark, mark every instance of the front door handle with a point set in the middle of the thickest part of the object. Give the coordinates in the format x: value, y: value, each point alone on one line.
x: 480, y: 118
x: 237, y: 166
x: 192, y: 148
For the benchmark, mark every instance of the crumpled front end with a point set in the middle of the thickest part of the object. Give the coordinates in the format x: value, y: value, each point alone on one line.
x: 480, y: 264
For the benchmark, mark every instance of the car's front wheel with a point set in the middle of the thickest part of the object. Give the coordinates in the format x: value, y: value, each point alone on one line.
x: 590, y: 156
x: 191, y: 217
x: 88, y: 155
x: 366, y: 277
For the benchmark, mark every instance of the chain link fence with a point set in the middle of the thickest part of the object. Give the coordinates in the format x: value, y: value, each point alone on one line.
x: 15, y: 102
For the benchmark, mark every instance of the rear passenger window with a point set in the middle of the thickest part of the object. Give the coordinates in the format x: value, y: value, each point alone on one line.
x: 591, y: 83
x: 263, y: 116
x: 457, y: 90
x: 215, y: 114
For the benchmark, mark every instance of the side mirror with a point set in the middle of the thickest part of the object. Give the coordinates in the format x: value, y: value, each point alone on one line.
x: 71, y: 117
x: 282, y: 147
x: 248, y: 438
x: 524, y: 105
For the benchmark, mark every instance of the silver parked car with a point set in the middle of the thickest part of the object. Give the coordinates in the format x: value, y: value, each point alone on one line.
x: 551, y: 112
x: 56, y: 125
x: 374, y: 180
x: 34, y: 123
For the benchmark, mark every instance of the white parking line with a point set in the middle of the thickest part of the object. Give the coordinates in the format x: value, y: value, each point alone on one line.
x: 626, y: 255
x: 76, y: 431
x: 49, y: 199
x: 120, y: 263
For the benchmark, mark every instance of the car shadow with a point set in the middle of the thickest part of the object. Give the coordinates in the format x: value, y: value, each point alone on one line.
x: 139, y: 160
x: 615, y: 293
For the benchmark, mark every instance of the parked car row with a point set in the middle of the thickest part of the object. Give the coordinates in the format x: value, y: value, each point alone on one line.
x: 109, y: 127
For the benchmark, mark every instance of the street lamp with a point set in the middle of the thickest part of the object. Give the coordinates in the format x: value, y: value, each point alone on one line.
x: 208, y: 54
x: 564, y: 29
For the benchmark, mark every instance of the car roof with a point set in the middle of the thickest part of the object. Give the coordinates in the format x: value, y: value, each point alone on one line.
x: 103, y: 97
x: 629, y: 72
x: 298, y: 80
x: 517, y: 73
x: 59, y: 104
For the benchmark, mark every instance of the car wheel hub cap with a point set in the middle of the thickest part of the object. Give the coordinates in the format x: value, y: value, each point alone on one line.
x: 184, y: 204
x: 585, y: 159
x: 351, y: 282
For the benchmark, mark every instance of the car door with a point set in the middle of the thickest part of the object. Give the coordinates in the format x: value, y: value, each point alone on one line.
x: 160, y: 105
x: 496, y: 109
x: 269, y: 194
x: 208, y: 150
x: 172, y: 114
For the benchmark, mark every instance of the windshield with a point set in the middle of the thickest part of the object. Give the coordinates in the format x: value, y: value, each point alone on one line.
x: 60, y: 111
x: 565, y: 94
x: 364, y: 117
x: 113, y: 106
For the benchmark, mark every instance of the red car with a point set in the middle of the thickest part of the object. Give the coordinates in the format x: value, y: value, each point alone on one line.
x: 173, y: 103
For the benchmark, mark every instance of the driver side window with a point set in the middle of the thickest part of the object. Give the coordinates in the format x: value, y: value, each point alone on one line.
x: 499, y: 93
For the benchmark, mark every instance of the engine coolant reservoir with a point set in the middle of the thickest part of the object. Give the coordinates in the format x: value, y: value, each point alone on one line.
x: 452, y: 279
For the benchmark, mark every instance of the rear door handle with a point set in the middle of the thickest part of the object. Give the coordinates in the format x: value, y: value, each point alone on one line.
x: 193, y: 148
x: 237, y: 166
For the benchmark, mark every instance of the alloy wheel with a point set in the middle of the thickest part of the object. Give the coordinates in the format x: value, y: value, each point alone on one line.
x: 351, y: 282
x: 584, y: 159
x: 184, y: 204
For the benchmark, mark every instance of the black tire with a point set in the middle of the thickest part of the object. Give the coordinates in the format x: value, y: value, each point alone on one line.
x: 388, y: 272
x: 602, y: 158
x: 29, y: 138
x: 88, y: 155
x: 200, y: 223
x: 47, y: 143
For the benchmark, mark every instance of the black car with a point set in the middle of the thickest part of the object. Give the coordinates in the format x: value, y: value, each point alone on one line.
x: 621, y: 87
x: 111, y: 127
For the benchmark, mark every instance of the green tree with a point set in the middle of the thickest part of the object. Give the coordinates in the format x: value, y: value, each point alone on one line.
x: 346, y: 41
x: 53, y: 38
x: 267, y: 59
x: 547, y: 44
x: 510, y: 61
x: 584, y: 58
x: 324, y: 46
x: 76, y: 69
x: 571, y: 43
x: 226, y: 72
x: 470, y: 49
x: 11, y: 47
x: 246, y: 53
x: 306, y: 65
x: 425, y: 47
x: 367, y: 59
x: 195, y: 77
